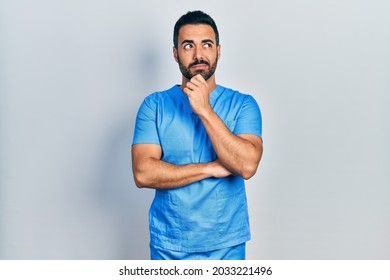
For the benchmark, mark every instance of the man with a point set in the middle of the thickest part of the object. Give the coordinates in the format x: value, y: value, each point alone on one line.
x: 195, y: 143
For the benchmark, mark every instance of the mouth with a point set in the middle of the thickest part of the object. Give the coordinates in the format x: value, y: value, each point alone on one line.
x: 199, y: 66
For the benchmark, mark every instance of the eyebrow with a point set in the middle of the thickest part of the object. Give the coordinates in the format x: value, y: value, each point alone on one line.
x: 192, y: 41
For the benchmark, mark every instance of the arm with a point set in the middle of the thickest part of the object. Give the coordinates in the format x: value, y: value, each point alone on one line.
x: 151, y: 172
x: 240, y: 154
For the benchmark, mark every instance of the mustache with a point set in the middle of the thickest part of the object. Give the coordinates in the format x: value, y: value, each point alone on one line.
x: 200, y: 61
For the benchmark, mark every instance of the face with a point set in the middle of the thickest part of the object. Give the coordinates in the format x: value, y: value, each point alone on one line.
x: 197, y: 52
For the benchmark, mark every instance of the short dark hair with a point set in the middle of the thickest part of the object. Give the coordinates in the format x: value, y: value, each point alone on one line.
x: 194, y: 17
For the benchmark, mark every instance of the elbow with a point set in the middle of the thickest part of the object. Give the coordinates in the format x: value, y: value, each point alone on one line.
x: 247, y: 174
x: 249, y: 171
x: 138, y: 184
x: 139, y: 180
x: 250, y: 168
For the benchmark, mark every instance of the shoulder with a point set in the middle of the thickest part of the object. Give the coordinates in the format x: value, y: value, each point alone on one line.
x: 230, y: 91
x: 153, y: 99
x: 158, y: 96
x: 236, y: 95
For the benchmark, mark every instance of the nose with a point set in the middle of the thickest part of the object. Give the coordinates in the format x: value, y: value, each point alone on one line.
x: 198, y: 53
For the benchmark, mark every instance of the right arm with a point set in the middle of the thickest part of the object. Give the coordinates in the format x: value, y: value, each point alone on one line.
x: 150, y: 171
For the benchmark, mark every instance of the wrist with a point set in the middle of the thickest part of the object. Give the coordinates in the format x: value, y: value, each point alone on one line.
x: 206, y: 113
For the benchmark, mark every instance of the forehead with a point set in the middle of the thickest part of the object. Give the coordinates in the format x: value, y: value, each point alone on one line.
x: 196, y: 31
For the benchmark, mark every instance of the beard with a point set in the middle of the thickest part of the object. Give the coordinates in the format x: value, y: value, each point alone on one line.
x: 206, y: 74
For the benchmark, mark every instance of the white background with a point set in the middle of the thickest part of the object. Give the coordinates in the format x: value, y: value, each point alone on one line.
x: 73, y: 74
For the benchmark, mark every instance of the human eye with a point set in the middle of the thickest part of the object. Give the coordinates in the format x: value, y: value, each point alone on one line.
x: 208, y: 45
x: 187, y: 46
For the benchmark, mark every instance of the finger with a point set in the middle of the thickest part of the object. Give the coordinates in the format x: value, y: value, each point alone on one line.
x: 191, y: 85
x: 187, y: 91
x: 198, y: 80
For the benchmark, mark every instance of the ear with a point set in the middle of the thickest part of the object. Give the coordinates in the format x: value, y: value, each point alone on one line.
x: 219, y: 52
x: 175, y: 54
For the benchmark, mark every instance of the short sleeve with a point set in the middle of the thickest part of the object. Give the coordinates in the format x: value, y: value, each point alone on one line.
x: 249, y: 120
x: 145, y: 131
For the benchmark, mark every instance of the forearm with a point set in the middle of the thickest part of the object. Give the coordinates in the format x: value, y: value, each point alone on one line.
x: 237, y: 154
x: 157, y: 174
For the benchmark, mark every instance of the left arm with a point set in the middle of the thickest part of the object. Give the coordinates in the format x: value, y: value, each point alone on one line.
x: 240, y: 154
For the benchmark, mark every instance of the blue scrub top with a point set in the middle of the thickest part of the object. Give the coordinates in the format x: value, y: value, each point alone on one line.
x: 212, y: 213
